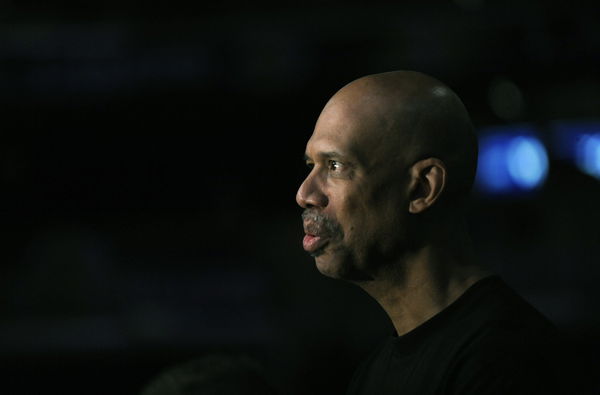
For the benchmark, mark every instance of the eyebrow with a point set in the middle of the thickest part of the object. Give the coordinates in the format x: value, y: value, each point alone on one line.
x: 325, y: 155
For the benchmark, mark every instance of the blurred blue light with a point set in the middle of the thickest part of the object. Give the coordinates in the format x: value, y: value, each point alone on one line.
x: 511, y: 161
x: 527, y: 162
x: 588, y: 154
x: 579, y: 143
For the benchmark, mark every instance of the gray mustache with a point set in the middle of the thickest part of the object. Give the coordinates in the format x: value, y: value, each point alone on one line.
x: 321, y: 225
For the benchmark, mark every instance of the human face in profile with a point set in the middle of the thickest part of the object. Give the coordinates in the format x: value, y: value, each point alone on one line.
x: 355, y: 193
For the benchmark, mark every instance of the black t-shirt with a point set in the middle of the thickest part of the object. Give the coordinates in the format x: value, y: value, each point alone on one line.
x: 489, y: 341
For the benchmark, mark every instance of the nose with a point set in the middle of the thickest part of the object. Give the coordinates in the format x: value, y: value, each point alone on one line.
x: 310, y: 194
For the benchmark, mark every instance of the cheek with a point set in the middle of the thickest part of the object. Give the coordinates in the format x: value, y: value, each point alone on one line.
x: 349, y: 211
x: 379, y: 218
x: 367, y: 212
x: 359, y: 222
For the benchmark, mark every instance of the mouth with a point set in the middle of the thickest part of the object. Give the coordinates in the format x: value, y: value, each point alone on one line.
x: 312, y: 243
x: 320, y: 231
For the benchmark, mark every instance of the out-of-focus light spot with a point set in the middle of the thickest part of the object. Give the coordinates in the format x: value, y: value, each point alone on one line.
x: 492, y: 174
x: 579, y: 143
x: 588, y: 154
x: 511, y: 161
x: 505, y: 99
x: 527, y: 162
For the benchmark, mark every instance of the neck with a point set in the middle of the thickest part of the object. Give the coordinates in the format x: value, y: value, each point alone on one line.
x: 419, y: 286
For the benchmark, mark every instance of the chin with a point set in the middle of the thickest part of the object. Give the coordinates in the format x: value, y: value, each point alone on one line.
x: 338, y: 267
x: 328, y: 268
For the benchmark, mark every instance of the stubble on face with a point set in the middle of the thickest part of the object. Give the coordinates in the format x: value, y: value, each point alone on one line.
x: 315, y: 223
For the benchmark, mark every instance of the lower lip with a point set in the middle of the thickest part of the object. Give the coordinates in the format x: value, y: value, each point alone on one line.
x: 312, y: 243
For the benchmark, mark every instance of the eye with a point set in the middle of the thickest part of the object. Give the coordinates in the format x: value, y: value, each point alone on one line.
x: 334, y: 165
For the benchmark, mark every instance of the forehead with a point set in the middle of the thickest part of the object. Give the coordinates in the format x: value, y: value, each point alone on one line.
x: 334, y: 135
x: 351, y: 129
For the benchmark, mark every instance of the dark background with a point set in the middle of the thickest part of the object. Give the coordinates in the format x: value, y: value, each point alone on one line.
x: 151, y: 153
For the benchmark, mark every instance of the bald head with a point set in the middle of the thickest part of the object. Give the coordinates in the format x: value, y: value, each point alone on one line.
x: 406, y: 116
x: 385, y: 147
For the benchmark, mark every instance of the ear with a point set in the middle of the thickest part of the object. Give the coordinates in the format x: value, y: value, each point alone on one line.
x: 428, y: 179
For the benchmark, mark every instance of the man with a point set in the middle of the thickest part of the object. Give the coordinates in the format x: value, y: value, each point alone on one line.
x: 392, y: 159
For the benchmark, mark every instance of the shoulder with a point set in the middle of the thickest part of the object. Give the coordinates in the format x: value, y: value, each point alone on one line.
x: 506, y: 358
x: 507, y: 346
